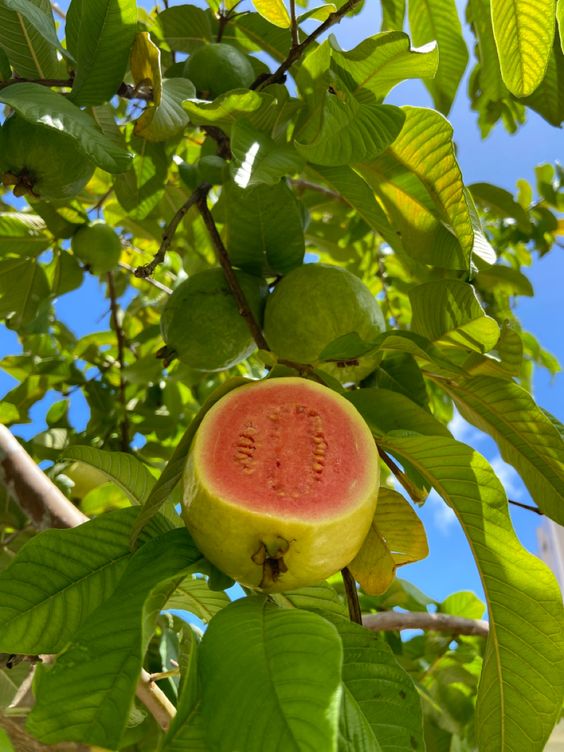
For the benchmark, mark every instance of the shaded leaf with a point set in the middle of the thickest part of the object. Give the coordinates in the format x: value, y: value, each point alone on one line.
x: 40, y: 17
x: 501, y: 203
x: 167, y: 118
x: 23, y: 286
x: 140, y: 189
x: 185, y: 27
x: 30, y: 54
x: 194, y: 595
x: 22, y: 234
x: 257, y: 158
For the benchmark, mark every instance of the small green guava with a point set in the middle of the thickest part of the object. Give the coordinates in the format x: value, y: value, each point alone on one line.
x: 315, y: 304
x: 201, y: 323
x: 98, y: 246
x: 216, y: 68
x: 41, y: 162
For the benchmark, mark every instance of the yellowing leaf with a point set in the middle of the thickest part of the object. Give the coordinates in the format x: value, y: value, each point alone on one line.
x: 274, y: 11
x: 396, y: 537
x: 145, y: 63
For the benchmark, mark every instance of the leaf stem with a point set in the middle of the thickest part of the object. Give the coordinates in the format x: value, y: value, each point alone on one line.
x: 294, y: 24
x: 402, y: 478
x: 528, y: 507
x: 355, y: 614
x: 124, y: 424
x: 225, y: 263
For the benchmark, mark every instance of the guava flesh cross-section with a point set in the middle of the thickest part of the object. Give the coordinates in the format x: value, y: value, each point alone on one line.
x: 281, y: 483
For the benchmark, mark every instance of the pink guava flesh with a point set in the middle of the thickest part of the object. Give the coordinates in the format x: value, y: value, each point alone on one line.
x: 288, y: 448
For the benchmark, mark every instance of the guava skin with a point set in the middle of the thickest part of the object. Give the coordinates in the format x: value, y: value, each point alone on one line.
x: 217, y: 68
x: 98, y: 246
x: 315, y: 304
x: 270, y: 550
x: 41, y: 162
x: 201, y: 322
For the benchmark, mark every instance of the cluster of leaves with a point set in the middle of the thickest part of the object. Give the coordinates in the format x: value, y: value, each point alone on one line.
x: 315, y: 163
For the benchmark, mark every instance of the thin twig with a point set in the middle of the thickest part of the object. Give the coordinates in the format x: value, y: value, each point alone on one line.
x: 306, y: 185
x: 528, y: 507
x: 47, y: 506
x: 126, y: 91
x: 225, y: 263
x: 402, y: 478
x: 124, y: 424
x: 168, y: 235
x: 294, y: 24
x: 101, y: 201
x: 150, y: 280
x: 387, y: 621
x: 297, y: 51
x: 355, y: 614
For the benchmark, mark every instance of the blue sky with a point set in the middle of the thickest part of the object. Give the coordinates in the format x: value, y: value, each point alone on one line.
x: 501, y: 159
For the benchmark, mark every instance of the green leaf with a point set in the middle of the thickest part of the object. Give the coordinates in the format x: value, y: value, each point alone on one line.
x: 257, y: 158
x: 23, y: 287
x: 419, y: 182
x: 548, y: 97
x: 194, y: 595
x: 125, y: 470
x: 437, y: 20
x: 38, y: 104
x: 185, y: 27
x: 94, y: 680
x: 396, y: 537
x: 254, y: 32
x: 172, y: 473
x: 393, y: 15
x: 285, y: 664
x: 168, y: 118
x: 350, y: 132
x: 264, y: 228
x: 141, y: 188
x: 449, y: 313
x: 100, y: 34
x: 274, y: 11
x: 522, y: 683
x: 501, y: 203
x: 22, y: 234
x: 464, y: 603
x: 40, y: 614
x: 525, y: 436
x: 399, y: 372
x: 30, y: 54
x: 379, y: 63
x: 321, y: 597
x: 381, y: 709
x: 39, y: 18
x: 387, y: 411
x: 524, y: 30
x: 228, y: 109
x: 504, y: 279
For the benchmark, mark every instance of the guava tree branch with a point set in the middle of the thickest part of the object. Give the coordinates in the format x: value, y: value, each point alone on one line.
x: 125, y: 91
x: 124, y: 423
x: 296, y: 51
x: 528, y: 507
x: 47, y: 506
x: 232, y: 281
x: 388, y: 621
x: 355, y: 614
x: 294, y: 24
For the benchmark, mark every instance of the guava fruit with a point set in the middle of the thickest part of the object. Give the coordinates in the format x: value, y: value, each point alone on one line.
x: 201, y: 323
x: 41, y: 162
x: 281, y: 483
x: 216, y: 68
x: 98, y: 246
x: 315, y: 304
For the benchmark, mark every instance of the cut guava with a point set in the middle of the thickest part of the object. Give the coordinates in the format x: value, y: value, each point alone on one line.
x: 281, y: 483
x: 41, y: 162
x: 217, y: 68
x: 98, y: 246
x: 315, y: 304
x: 201, y: 323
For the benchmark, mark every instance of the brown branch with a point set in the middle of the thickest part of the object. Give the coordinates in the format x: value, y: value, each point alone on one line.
x: 387, y: 621
x: 126, y: 91
x: 58, y: 11
x: 297, y: 51
x: 168, y: 235
x: 402, y: 478
x: 232, y: 281
x: 47, y: 506
x: 294, y: 24
x: 124, y: 423
x: 528, y: 507
x: 306, y: 185
x: 153, y: 282
x: 351, y: 592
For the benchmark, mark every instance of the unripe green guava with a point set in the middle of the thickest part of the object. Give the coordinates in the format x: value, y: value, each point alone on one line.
x: 315, y: 304
x: 98, y: 246
x: 201, y: 323
x: 216, y: 68
x: 41, y: 162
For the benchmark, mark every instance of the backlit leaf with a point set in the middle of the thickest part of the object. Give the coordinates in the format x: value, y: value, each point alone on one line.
x: 185, y: 27
x: 257, y: 158
x: 22, y: 234
x: 167, y: 118
x: 23, y: 285
x: 274, y: 11
x: 548, y: 97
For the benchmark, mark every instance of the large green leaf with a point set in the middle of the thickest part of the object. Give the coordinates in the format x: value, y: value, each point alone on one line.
x: 524, y: 30
x: 522, y: 683
x: 449, y: 313
x: 194, y: 595
x: 419, y: 183
x: 99, y: 35
x: 380, y: 62
x: 29, y: 52
x: 501, y: 203
x: 23, y: 286
x: 167, y: 118
x: 393, y: 15
x: 548, y: 97
x: 283, y: 666
x: 38, y: 104
x: 437, y: 20
x: 274, y: 11
x: 381, y: 709
x: 140, y: 189
x: 22, y: 234
x: 264, y: 228
x: 40, y: 17
x: 387, y: 411
x: 94, y: 679
x: 258, y: 158
x: 39, y: 614
x: 526, y: 437
x: 228, y: 109
x: 185, y: 27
